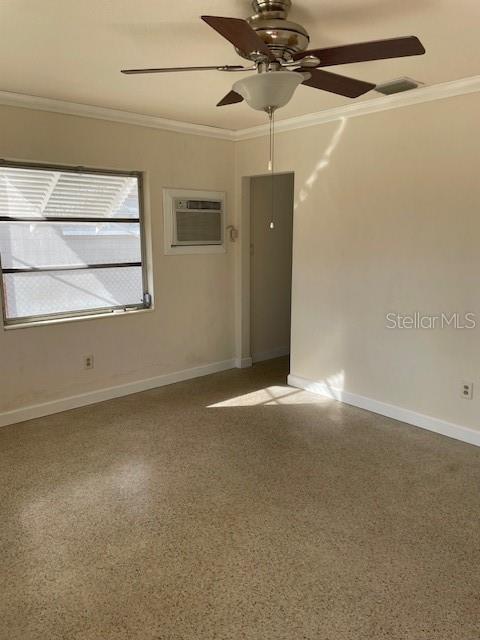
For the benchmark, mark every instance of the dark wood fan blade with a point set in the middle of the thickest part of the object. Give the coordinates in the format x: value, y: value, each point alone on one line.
x: 175, y: 69
x: 231, y: 98
x: 240, y: 34
x: 341, y: 85
x: 365, y: 51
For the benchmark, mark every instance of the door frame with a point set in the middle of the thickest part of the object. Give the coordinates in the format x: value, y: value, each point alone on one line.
x: 245, y: 357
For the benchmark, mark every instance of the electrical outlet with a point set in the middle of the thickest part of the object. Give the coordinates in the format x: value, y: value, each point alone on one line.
x: 467, y: 390
x: 88, y: 362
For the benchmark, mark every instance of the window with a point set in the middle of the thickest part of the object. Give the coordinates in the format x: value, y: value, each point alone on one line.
x: 71, y: 243
x: 194, y: 221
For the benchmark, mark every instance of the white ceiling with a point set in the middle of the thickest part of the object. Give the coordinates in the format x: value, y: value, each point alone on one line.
x: 73, y: 50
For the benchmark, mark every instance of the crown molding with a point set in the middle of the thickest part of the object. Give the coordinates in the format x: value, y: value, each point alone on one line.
x: 416, y: 96
x: 37, y: 103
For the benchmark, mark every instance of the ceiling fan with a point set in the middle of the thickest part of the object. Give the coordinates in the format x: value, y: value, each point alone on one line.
x: 277, y: 49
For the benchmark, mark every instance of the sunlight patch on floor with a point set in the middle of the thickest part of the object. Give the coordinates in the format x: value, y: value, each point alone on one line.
x: 270, y: 396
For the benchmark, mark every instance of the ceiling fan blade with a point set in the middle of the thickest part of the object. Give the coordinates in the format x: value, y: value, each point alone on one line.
x: 231, y: 98
x: 365, y: 51
x: 175, y: 69
x: 240, y: 34
x: 341, y: 85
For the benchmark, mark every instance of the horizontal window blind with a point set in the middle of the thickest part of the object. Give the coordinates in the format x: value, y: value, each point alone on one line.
x: 71, y: 242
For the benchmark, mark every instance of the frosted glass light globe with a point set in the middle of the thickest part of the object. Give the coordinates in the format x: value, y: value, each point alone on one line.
x: 268, y: 90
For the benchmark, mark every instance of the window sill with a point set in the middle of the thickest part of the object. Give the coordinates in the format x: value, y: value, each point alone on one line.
x: 94, y: 316
x: 176, y: 250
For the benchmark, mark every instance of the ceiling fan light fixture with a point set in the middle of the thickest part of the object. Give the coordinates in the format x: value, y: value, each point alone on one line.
x: 271, y: 43
x: 270, y: 90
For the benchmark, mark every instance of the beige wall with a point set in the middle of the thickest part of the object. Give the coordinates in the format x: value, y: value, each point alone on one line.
x: 193, y: 321
x: 386, y: 219
x: 271, y: 266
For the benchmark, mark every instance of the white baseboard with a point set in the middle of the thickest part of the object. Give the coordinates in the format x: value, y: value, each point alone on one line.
x: 243, y: 363
x: 465, y: 434
x: 270, y: 355
x: 91, y: 397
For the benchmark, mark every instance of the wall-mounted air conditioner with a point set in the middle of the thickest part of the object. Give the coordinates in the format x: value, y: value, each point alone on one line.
x: 194, y: 221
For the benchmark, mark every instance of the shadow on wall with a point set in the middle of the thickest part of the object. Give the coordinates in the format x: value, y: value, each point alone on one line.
x: 321, y: 164
x: 330, y: 385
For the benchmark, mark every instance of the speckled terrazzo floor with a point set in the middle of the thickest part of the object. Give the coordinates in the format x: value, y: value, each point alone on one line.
x: 233, y: 507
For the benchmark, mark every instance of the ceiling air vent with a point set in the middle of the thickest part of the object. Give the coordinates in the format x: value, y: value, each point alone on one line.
x: 397, y: 86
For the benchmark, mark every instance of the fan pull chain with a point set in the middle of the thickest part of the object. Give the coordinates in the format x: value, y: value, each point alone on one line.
x: 271, y: 167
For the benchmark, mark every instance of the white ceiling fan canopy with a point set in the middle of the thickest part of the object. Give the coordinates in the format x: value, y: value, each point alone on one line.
x: 269, y: 90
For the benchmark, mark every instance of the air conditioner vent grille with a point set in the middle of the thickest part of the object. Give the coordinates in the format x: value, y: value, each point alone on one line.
x: 201, y: 205
x: 198, y: 227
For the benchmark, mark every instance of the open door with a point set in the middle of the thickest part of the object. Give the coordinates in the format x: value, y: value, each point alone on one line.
x: 270, y: 266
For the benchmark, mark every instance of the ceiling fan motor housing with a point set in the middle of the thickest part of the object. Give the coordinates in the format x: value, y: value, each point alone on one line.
x: 283, y: 37
x: 281, y: 7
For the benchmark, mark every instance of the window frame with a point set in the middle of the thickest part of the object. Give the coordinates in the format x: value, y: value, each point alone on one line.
x: 64, y: 316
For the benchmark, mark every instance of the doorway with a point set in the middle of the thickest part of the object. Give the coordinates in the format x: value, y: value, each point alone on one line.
x: 270, y: 265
